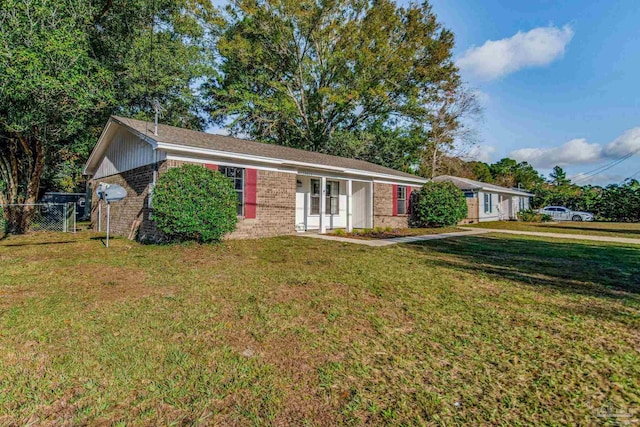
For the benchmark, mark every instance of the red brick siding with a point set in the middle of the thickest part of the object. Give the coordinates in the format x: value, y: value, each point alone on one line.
x: 383, y: 207
x: 274, y: 204
x: 132, y: 208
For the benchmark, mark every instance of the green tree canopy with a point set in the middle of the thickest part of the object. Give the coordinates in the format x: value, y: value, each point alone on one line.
x: 66, y: 65
x: 510, y: 173
x: 304, y: 73
x: 558, y: 177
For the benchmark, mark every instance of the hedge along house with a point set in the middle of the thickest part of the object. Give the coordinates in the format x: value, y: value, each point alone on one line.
x: 488, y: 202
x: 281, y: 190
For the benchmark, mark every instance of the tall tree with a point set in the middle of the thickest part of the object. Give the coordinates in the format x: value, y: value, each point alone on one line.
x: 66, y: 65
x: 558, y: 177
x: 449, y: 127
x: 509, y: 173
x: 49, y: 86
x: 302, y: 73
x: 481, y: 171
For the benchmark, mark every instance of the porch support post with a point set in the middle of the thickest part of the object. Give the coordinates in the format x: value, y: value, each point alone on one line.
x: 371, y: 200
x: 349, y: 206
x: 323, y: 204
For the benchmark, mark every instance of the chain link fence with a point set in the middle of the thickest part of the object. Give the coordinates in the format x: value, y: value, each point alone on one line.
x: 38, y: 217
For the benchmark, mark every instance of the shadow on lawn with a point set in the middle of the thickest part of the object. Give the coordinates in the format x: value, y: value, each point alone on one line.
x: 561, y: 228
x: 10, y: 245
x: 567, y: 267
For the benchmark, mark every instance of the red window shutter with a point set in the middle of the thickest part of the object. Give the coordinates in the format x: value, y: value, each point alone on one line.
x: 212, y: 167
x: 250, y: 199
x: 395, y: 199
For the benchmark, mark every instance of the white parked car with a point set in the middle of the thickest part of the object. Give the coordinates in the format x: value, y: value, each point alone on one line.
x: 560, y: 213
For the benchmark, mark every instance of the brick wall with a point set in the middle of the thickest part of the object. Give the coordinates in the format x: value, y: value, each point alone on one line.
x: 275, y: 210
x: 383, y: 208
x: 132, y: 208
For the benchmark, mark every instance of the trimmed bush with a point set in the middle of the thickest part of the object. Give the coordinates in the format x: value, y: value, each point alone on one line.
x: 193, y: 203
x: 438, y: 204
x: 530, y: 215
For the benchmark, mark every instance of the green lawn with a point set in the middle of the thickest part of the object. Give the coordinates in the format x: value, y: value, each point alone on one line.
x: 490, y: 329
x: 611, y: 229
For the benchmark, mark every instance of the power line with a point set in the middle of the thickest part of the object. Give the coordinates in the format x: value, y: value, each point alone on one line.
x: 603, y: 168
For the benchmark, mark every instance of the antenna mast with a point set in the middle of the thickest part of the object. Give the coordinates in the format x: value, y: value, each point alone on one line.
x: 155, y: 103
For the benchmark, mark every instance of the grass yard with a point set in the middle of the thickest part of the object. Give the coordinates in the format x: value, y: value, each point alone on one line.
x: 483, y: 330
x: 611, y: 229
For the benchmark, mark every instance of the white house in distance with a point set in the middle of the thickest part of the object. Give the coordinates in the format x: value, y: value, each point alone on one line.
x: 489, y: 202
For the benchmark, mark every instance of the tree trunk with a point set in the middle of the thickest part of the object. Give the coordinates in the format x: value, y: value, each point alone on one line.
x: 434, y: 160
x: 21, y: 167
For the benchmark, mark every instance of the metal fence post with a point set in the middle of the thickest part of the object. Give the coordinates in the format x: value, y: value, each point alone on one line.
x: 64, y: 218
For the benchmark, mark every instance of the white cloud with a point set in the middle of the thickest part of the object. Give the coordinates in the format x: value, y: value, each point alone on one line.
x: 483, y: 97
x: 580, y: 151
x: 481, y: 153
x: 576, y: 151
x: 497, y: 58
x: 624, y: 144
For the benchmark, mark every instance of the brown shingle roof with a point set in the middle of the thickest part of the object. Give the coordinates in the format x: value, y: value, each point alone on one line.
x: 189, y: 138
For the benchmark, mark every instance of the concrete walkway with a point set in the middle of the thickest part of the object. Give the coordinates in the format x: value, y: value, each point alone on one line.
x: 560, y: 235
x: 395, y: 240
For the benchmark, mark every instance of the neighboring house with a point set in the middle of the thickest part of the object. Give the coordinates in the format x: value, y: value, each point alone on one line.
x: 488, y: 202
x: 281, y: 190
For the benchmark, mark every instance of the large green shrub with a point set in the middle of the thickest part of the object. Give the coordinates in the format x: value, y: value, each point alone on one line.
x: 194, y: 203
x: 438, y: 204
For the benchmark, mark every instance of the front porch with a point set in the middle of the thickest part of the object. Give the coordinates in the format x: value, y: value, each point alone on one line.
x: 328, y: 203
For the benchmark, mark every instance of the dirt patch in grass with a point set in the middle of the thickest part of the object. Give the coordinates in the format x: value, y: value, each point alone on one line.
x: 115, y: 283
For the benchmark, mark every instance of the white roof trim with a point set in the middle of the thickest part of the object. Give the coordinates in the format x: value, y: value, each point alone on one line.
x: 505, y: 191
x: 228, y: 154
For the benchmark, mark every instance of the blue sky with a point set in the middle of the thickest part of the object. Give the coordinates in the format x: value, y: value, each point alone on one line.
x: 565, y: 90
x: 560, y: 86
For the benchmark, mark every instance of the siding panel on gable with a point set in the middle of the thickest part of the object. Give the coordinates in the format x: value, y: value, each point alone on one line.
x: 126, y: 152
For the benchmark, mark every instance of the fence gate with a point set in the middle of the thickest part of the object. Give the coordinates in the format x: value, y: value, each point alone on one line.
x: 42, y: 216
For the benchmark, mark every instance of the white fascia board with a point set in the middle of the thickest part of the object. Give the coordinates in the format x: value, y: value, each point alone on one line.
x: 311, y: 174
x: 227, y: 154
x: 507, y: 191
x: 401, y: 181
x: 216, y: 153
x: 227, y: 163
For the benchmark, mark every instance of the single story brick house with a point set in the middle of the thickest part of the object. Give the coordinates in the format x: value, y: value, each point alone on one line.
x: 281, y: 190
x: 489, y: 202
